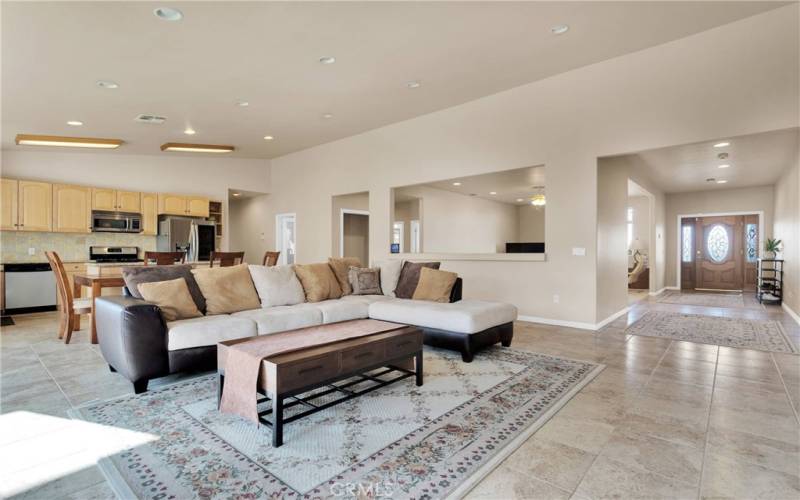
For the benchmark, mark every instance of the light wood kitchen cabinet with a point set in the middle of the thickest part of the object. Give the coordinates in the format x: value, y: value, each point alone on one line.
x: 196, y: 206
x: 8, y: 204
x: 104, y: 199
x: 149, y: 213
x: 172, y: 204
x: 72, y: 209
x: 129, y: 201
x: 35, y: 206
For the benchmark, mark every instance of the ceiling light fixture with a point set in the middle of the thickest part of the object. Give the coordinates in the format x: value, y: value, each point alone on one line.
x: 237, y: 194
x: 520, y: 200
x: 75, y: 123
x: 189, y: 131
x: 415, y: 84
x: 242, y: 104
x: 168, y: 14
x: 107, y: 84
x: 66, y: 142
x: 328, y: 116
x: 722, y: 181
x: 196, y: 148
x: 559, y: 29
x: 538, y: 200
x: 492, y: 193
x: 456, y: 183
x: 327, y: 60
x: 722, y: 144
x: 268, y: 138
x: 724, y: 166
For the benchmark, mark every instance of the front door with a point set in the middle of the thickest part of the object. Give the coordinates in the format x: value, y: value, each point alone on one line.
x: 720, y: 253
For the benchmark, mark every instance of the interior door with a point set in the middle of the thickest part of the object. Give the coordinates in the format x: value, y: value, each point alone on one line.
x: 720, y: 253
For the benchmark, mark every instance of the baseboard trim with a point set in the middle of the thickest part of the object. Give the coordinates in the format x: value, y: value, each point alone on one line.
x: 574, y: 324
x: 653, y: 294
x: 794, y: 315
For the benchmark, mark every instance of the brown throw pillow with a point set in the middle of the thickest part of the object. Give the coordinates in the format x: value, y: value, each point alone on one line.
x: 365, y: 280
x: 409, y: 277
x: 172, y: 297
x: 227, y: 289
x: 435, y: 285
x: 318, y: 281
x: 340, y: 267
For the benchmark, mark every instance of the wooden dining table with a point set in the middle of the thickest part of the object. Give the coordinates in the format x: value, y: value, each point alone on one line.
x: 96, y: 282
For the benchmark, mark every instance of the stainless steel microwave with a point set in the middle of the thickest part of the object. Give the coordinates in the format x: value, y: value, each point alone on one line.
x: 116, y: 222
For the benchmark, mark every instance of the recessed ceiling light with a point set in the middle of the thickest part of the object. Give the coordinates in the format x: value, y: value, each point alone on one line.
x: 327, y: 60
x: 722, y: 144
x: 559, y: 29
x: 237, y: 194
x: 493, y: 192
x: 721, y: 181
x: 456, y: 183
x: 68, y: 142
x: 107, y: 84
x: 724, y: 166
x: 413, y: 84
x: 242, y: 104
x: 168, y: 14
x: 519, y: 200
x: 75, y: 123
x: 196, y: 148
x: 268, y: 138
x: 189, y: 131
x: 328, y: 116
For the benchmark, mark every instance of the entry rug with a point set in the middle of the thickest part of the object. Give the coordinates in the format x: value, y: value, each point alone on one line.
x: 702, y: 299
x: 399, y: 441
x: 762, y: 335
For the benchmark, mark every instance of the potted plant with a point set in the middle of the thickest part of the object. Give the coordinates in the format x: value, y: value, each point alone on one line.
x: 772, y: 247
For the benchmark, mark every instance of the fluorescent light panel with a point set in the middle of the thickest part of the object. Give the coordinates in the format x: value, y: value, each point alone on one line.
x: 196, y: 148
x: 67, y: 142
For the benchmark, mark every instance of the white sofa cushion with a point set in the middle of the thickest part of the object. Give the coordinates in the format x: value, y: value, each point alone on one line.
x: 277, y: 285
x: 369, y: 299
x: 465, y: 316
x: 282, y: 318
x: 390, y: 275
x: 207, y: 330
x: 337, y: 310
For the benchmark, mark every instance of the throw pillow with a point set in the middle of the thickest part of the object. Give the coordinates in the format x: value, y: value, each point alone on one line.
x: 434, y: 285
x: 172, y: 297
x: 277, y: 285
x: 390, y: 274
x: 318, y: 281
x: 409, y: 278
x: 227, y: 289
x: 135, y: 275
x: 340, y: 265
x: 365, y: 280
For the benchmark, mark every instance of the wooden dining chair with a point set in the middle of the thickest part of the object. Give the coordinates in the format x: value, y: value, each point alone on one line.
x: 226, y: 259
x: 271, y: 259
x: 164, y: 258
x: 71, y: 309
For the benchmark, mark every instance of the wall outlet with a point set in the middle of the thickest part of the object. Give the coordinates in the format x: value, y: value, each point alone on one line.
x: 579, y: 251
x: 556, y: 299
x: 31, y: 251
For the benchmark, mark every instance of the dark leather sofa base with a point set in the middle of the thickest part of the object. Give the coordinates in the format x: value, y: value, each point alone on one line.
x: 469, y: 344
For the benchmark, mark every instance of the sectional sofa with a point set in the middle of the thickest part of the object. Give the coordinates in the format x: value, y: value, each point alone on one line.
x: 137, y: 342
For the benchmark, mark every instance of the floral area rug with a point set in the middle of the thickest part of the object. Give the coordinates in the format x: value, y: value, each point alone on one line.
x: 762, y: 335
x: 399, y: 441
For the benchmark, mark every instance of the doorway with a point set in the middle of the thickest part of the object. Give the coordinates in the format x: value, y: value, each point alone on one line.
x: 354, y: 234
x: 285, y: 237
x: 719, y: 252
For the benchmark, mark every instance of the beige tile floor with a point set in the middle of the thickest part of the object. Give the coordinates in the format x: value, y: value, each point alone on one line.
x: 664, y: 419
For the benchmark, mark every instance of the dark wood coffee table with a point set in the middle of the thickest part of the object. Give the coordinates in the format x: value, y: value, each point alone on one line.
x: 376, y: 360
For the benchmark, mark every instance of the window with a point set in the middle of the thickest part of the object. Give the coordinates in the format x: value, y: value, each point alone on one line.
x: 751, y: 242
x: 717, y: 243
x: 630, y: 226
x: 414, y: 236
x: 285, y: 237
x: 687, y: 243
x: 397, y: 235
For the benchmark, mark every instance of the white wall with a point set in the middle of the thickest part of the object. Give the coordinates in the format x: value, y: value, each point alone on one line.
x: 612, y: 238
x: 531, y: 224
x: 737, y: 79
x: 787, y: 229
x: 750, y: 200
x: 641, y: 224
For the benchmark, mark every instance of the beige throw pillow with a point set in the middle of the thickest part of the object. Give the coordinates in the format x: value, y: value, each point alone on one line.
x: 365, y: 280
x: 227, y: 289
x: 340, y: 267
x: 172, y: 297
x: 318, y: 282
x: 434, y: 285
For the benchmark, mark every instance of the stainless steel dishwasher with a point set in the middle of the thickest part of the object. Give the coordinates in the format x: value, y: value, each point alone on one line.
x: 29, y: 288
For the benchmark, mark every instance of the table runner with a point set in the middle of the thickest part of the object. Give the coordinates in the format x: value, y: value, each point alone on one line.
x: 243, y: 363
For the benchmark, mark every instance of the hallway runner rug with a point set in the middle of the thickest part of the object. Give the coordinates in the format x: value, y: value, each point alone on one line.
x: 401, y: 441
x: 762, y: 335
x: 702, y: 299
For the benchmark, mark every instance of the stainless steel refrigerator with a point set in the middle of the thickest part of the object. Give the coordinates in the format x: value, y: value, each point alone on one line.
x: 186, y: 234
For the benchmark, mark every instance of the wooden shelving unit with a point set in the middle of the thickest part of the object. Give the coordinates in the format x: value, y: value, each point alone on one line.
x: 215, y: 214
x: 770, y: 281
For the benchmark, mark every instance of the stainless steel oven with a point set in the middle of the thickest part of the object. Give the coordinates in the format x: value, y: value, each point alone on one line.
x: 116, y: 222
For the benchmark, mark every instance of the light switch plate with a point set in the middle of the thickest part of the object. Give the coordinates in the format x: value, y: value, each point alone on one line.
x: 579, y: 251
x: 31, y: 251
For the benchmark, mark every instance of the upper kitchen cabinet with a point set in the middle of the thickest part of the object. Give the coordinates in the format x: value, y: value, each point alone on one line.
x: 129, y: 201
x: 196, y: 206
x: 72, y: 209
x: 116, y: 201
x: 149, y: 213
x: 175, y: 204
x: 8, y: 204
x: 35, y: 206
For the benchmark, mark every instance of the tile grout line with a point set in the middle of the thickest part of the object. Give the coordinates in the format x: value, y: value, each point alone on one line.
x: 50, y: 374
x: 785, y: 387
x: 708, y: 427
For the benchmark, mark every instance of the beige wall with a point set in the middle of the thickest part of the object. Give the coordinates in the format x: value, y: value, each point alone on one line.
x: 787, y: 229
x: 531, y: 224
x: 612, y: 244
x: 737, y: 79
x: 750, y: 200
x: 354, y: 201
x: 247, y: 231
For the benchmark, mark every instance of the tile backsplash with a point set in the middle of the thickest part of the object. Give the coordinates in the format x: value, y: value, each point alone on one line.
x: 14, y: 245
